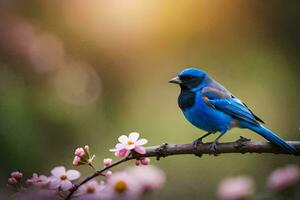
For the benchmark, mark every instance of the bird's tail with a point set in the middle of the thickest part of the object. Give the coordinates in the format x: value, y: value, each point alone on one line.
x: 270, y: 136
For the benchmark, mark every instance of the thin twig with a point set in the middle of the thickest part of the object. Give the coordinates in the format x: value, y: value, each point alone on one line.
x: 242, y: 145
x: 97, y: 173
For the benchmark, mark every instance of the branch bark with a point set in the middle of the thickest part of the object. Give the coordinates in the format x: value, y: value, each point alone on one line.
x: 243, y: 145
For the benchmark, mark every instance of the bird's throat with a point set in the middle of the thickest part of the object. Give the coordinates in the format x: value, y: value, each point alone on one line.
x: 186, y: 99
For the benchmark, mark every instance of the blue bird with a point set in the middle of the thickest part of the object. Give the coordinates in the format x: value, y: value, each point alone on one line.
x: 211, y: 107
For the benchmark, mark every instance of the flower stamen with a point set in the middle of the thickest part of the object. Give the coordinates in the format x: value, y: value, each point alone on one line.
x: 120, y: 186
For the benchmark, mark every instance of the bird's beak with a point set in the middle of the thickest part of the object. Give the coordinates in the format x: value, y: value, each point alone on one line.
x: 175, y: 80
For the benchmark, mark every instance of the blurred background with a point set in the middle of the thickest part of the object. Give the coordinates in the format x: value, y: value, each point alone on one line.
x: 84, y: 72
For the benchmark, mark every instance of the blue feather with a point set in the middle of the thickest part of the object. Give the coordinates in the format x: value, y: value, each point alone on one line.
x: 269, y: 135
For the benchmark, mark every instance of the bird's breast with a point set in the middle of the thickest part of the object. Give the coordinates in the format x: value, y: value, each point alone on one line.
x: 204, y: 116
x: 186, y: 100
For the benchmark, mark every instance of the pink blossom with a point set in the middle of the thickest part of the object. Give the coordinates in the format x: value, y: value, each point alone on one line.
x: 79, y: 152
x: 235, y: 188
x: 12, y: 181
x: 283, y: 178
x: 108, y: 173
x: 38, y: 180
x: 132, y: 142
x: 91, y: 190
x: 122, y: 186
x: 17, y: 175
x: 62, y: 179
x: 107, y: 162
x: 149, y: 177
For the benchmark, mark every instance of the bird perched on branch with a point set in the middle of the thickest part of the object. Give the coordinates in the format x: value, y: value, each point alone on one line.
x: 211, y: 107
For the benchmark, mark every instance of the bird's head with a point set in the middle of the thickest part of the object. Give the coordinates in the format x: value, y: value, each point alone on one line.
x: 189, y: 78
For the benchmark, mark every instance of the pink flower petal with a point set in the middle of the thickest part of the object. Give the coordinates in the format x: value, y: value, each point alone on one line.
x: 123, y: 139
x: 131, y: 146
x: 134, y: 136
x: 122, y: 153
x: 66, y: 185
x: 120, y: 146
x: 58, y: 171
x: 141, y: 142
x: 72, y: 174
x: 79, y: 152
x: 140, y: 149
x: 54, y: 182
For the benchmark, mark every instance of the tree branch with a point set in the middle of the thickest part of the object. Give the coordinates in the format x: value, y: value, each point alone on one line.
x: 242, y: 145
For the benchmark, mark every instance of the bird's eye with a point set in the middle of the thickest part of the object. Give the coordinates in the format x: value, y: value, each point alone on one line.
x: 186, y: 77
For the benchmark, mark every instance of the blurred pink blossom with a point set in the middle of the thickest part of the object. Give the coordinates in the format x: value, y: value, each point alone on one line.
x: 90, y: 190
x: 38, y: 180
x: 107, y: 162
x: 12, y: 181
x: 236, y: 188
x: 62, y: 179
x: 132, y: 142
x: 149, y: 177
x: 108, y: 173
x: 17, y: 175
x: 283, y: 178
x: 121, y: 185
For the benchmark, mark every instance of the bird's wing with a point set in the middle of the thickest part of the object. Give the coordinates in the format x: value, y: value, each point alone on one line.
x: 226, y: 102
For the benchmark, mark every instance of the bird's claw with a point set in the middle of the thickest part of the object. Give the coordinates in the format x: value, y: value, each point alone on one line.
x: 196, y: 143
x: 213, y: 148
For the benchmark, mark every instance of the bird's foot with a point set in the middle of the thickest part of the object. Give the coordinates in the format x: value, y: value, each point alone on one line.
x: 213, y: 148
x: 197, y: 142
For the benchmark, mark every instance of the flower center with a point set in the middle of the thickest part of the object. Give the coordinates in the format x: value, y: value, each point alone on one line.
x: 130, y: 142
x: 38, y: 180
x: 90, y: 190
x: 120, y: 186
x: 63, y: 177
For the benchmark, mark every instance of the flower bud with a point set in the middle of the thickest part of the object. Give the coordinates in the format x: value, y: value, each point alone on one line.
x: 79, y: 152
x: 137, y: 162
x: 107, y: 162
x: 145, y: 161
x: 12, y: 181
x: 17, y: 175
x: 87, y: 148
x: 108, y: 173
x: 76, y: 160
